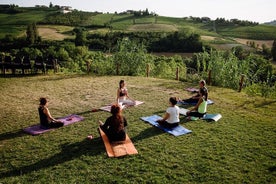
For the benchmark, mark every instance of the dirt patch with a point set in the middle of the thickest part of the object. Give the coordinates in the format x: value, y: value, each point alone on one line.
x: 208, y: 38
x: 152, y: 27
x: 51, y: 34
x: 268, y: 43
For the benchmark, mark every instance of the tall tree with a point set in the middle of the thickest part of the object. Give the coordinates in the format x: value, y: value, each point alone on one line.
x: 80, y: 39
x: 32, y: 33
x: 273, y: 50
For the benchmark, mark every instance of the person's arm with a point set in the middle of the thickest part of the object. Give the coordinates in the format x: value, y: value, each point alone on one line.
x: 129, y: 96
x: 196, y: 106
x: 106, y: 124
x: 166, y: 116
x: 101, y: 123
x: 125, y: 122
x: 118, y: 95
x: 49, y: 116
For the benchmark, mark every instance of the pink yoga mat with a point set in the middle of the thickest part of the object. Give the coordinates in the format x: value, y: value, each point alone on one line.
x: 108, y: 107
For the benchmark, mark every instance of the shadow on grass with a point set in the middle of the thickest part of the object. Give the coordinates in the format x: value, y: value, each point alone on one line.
x: 259, y: 105
x: 265, y: 103
x: 147, y: 133
x: 11, y: 135
x: 69, y: 152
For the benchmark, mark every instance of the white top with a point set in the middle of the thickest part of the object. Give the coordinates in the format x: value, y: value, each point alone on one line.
x: 174, y: 114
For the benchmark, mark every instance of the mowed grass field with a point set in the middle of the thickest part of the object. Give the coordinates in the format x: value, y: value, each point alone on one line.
x: 239, y: 148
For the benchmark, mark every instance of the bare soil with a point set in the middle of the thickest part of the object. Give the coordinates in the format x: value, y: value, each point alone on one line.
x: 51, y: 34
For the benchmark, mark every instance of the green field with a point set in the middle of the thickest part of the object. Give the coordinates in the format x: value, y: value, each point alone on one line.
x: 239, y: 148
x: 15, y: 24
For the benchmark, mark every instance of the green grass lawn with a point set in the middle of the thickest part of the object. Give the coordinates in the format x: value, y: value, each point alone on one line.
x: 239, y: 148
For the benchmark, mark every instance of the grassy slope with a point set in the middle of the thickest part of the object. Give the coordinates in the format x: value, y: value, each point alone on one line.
x: 16, y: 23
x: 259, y: 32
x: 239, y: 148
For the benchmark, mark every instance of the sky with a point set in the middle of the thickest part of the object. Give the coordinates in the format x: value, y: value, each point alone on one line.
x: 252, y: 10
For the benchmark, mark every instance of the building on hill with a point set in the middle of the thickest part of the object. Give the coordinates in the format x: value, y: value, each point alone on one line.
x: 66, y: 9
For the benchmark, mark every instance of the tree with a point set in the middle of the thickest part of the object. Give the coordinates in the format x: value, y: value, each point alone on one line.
x: 273, y: 50
x: 51, y: 5
x: 32, y: 34
x: 80, y: 39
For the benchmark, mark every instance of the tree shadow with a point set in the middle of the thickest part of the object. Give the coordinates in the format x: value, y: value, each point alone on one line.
x: 69, y: 152
x: 265, y: 103
x: 147, y: 133
x: 11, y: 135
x: 258, y: 105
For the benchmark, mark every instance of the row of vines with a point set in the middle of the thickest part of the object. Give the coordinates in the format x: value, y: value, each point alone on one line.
x: 133, y: 59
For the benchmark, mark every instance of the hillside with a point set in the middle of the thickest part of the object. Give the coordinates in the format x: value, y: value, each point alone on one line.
x: 16, y: 23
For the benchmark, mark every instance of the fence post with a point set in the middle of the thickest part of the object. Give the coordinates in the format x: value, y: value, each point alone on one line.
x: 88, y: 66
x: 241, y: 82
x: 177, y: 73
x: 117, y: 69
x: 209, y: 77
x: 147, y: 70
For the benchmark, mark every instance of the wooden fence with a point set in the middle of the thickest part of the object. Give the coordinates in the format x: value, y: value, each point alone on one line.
x: 25, y: 64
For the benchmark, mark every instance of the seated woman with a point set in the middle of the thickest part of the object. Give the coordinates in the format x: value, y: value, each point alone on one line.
x: 199, y: 110
x: 171, y: 117
x: 122, y: 95
x: 194, y: 99
x: 114, y: 126
x: 46, y: 120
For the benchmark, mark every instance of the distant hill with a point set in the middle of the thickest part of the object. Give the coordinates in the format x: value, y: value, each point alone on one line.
x: 15, y: 22
x: 272, y: 23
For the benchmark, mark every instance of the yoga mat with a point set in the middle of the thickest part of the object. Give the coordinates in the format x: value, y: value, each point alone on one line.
x: 212, y: 117
x: 108, y: 107
x: 176, y: 131
x: 208, y: 117
x: 118, y: 149
x: 192, y: 90
x: 67, y: 120
x: 209, y: 102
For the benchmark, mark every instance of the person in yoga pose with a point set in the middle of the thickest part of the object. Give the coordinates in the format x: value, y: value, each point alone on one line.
x: 194, y: 99
x: 171, y: 117
x: 122, y: 95
x: 114, y: 126
x: 199, y: 110
x: 46, y: 120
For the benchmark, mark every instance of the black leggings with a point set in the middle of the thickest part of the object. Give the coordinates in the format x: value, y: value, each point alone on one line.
x: 53, y: 125
x: 196, y: 114
x: 167, y: 125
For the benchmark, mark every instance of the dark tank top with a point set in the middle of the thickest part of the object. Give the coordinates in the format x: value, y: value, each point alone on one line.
x: 123, y: 92
x: 43, y: 118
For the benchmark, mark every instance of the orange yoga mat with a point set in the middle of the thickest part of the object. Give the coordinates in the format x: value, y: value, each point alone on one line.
x: 118, y: 149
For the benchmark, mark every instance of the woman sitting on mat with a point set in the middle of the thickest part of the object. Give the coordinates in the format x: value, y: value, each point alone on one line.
x: 201, y: 107
x: 46, y: 120
x: 194, y: 99
x: 122, y: 95
x: 171, y: 117
x: 114, y: 126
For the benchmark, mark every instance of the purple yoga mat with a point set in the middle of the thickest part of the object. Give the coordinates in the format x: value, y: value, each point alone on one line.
x: 67, y: 120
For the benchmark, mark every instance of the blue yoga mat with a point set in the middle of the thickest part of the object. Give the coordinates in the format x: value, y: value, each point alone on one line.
x: 208, y: 117
x: 212, y: 117
x: 176, y: 131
